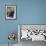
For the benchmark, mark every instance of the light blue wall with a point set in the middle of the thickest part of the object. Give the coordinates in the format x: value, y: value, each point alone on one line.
x: 33, y: 12
x: 28, y: 12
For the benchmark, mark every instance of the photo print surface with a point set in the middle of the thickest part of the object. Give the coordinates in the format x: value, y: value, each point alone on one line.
x: 33, y: 32
x: 10, y: 12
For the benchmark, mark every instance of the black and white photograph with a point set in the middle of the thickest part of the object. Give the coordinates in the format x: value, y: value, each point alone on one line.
x: 31, y: 34
x: 10, y: 11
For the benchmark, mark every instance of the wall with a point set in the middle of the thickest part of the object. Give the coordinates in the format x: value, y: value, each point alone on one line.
x: 33, y: 12
x: 28, y: 12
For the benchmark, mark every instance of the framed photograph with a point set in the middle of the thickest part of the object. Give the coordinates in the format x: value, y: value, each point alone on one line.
x: 33, y: 32
x: 11, y: 12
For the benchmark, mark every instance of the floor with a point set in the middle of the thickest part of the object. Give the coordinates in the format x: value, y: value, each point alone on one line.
x: 30, y: 43
x: 7, y: 45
